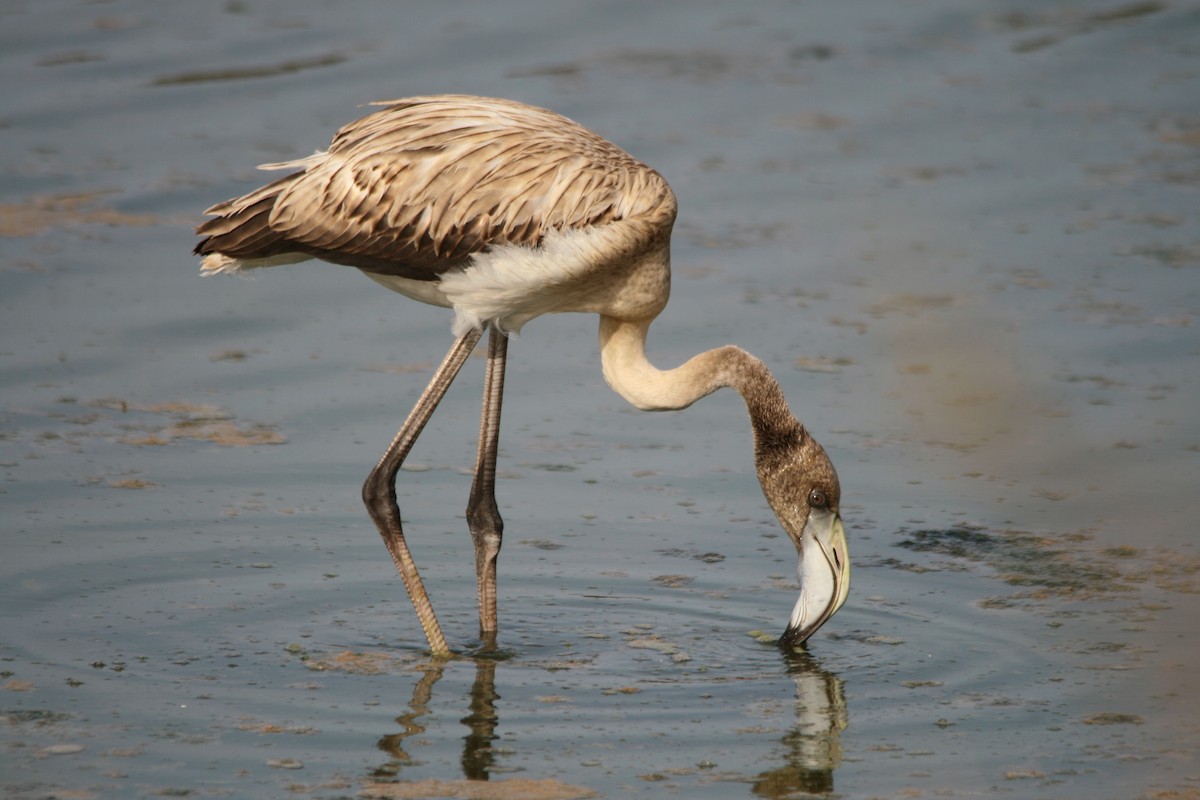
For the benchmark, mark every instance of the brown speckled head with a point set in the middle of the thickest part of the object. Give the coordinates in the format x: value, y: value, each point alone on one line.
x: 801, y: 485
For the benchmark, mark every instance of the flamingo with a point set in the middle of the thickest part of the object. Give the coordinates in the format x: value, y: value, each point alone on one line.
x: 503, y: 212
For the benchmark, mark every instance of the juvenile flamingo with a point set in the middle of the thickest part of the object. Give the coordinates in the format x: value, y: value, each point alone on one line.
x: 504, y: 212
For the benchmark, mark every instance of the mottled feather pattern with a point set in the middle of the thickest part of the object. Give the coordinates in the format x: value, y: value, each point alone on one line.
x: 503, y: 213
x: 417, y: 188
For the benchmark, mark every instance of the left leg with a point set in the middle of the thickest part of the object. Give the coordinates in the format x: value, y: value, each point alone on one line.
x: 379, y: 491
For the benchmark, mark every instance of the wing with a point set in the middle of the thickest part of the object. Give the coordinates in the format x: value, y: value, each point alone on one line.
x: 416, y: 188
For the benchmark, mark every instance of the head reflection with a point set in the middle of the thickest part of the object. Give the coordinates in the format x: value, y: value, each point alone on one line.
x: 814, y: 745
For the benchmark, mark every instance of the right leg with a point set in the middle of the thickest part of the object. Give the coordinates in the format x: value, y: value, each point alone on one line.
x: 483, y: 516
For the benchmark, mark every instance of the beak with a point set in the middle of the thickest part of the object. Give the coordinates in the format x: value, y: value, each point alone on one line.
x: 824, y: 572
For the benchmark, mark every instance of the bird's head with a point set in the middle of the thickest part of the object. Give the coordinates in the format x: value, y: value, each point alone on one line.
x: 802, y: 487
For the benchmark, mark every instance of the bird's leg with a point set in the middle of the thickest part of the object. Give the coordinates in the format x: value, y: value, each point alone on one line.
x: 483, y: 517
x: 379, y: 492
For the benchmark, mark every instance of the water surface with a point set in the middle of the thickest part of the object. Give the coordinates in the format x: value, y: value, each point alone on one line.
x: 962, y: 234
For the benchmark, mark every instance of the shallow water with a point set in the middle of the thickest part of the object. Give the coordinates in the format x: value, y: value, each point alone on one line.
x: 964, y: 236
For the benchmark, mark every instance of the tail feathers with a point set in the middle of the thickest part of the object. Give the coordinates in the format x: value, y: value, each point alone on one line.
x: 240, y: 236
x: 218, y: 264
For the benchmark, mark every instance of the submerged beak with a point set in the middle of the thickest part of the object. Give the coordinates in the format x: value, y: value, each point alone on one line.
x: 824, y: 573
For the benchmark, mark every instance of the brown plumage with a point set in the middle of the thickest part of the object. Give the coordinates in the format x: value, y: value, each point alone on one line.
x: 417, y: 188
x: 504, y: 212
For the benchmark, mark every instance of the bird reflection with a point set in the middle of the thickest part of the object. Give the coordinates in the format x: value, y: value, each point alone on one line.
x: 814, y: 744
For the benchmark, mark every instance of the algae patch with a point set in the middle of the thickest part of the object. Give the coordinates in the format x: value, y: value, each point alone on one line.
x: 1068, y: 566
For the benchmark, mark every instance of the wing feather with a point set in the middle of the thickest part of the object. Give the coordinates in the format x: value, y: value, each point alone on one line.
x: 416, y: 188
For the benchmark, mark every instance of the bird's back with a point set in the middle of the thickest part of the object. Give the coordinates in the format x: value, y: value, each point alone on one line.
x: 418, y: 188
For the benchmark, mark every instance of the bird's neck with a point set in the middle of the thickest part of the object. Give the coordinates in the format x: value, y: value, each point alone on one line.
x: 631, y: 375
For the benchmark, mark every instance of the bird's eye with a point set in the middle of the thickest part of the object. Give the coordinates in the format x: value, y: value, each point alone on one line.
x: 816, y: 499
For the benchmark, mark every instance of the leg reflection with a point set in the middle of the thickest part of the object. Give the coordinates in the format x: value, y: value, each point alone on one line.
x: 393, y: 744
x: 814, y: 746
x: 478, y: 755
x: 478, y: 758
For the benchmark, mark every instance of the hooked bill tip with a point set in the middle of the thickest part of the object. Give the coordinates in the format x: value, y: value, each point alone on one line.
x: 794, y: 637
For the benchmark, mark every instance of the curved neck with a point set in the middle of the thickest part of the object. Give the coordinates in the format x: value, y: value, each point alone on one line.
x: 631, y: 375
